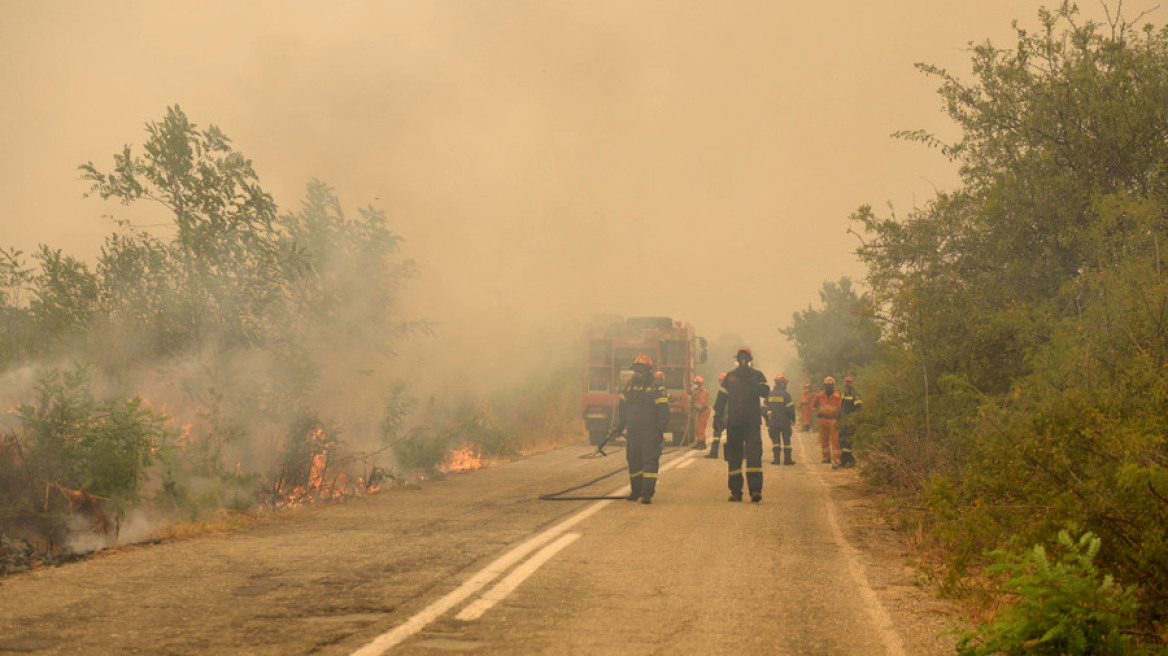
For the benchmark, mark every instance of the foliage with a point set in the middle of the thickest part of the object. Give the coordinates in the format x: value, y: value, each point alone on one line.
x: 838, y: 339
x: 1064, y: 606
x: 75, y: 441
x: 225, y: 253
x: 1024, y: 353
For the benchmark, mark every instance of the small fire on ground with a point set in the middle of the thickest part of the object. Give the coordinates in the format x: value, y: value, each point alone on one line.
x: 464, y: 458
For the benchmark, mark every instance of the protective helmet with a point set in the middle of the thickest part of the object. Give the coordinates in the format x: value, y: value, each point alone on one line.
x: 849, y: 379
x: 643, y: 359
x: 721, y: 376
x: 698, y: 380
x: 829, y: 381
x: 660, y: 375
x: 806, y: 385
x: 744, y: 350
x: 780, y: 378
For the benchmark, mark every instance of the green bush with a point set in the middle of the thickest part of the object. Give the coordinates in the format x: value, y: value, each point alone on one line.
x: 1065, y: 606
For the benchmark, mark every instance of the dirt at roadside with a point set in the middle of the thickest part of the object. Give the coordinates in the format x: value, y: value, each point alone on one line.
x: 924, y: 619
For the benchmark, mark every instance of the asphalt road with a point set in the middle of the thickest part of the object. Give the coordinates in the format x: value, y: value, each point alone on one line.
x: 478, y: 563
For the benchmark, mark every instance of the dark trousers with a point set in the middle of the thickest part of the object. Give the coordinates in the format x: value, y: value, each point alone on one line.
x: 744, y: 441
x: 644, y: 456
x: 780, y: 435
x: 845, y: 441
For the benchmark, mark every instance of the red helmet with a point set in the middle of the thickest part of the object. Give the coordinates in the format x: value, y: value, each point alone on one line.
x: 660, y: 375
x: 780, y: 378
x: 643, y: 359
x: 721, y: 376
x: 806, y: 385
x: 698, y: 380
x: 849, y: 379
x: 829, y: 381
x: 746, y: 351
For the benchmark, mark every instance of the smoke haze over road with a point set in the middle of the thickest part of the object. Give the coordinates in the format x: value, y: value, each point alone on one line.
x: 544, y: 161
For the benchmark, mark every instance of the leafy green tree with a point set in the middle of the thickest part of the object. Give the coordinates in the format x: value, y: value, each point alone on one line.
x: 226, y: 249
x: 1025, y: 346
x: 64, y: 297
x: 16, y: 338
x: 838, y: 339
x: 76, y: 441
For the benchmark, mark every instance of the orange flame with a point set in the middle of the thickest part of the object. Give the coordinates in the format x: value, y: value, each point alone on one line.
x: 464, y: 458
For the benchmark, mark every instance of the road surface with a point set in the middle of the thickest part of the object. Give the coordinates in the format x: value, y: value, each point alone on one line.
x: 477, y: 563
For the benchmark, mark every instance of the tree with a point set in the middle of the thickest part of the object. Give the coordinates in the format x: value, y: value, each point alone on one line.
x: 226, y: 249
x: 838, y: 339
x: 1026, y: 338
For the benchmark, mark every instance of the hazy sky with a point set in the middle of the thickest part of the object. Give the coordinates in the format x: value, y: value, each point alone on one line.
x: 544, y: 160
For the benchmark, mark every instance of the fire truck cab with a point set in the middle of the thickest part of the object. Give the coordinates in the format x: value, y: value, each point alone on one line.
x: 613, y: 342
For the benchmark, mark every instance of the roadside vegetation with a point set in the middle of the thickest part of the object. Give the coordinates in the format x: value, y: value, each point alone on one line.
x: 230, y: 358
x: 1017, y: 390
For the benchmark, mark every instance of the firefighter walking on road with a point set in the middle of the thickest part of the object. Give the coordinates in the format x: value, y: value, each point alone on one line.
x: 826, y: 406
x: 805, y: 400
x: 644, y: 411
x: 850, y: 404
x: 780, y: 421
x: 737, y: 410
x: 717, y: 439
x: 701, y: 409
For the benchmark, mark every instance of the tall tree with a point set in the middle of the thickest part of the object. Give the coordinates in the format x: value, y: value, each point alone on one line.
x: 839, y: 338
x: 1027, y: 341
x: 226, y: 248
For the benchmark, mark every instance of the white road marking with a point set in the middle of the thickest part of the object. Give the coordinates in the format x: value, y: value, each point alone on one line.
x: 512, y: 581
x: 872, y: 605
x: 478, y: 581
x: 686, y: 459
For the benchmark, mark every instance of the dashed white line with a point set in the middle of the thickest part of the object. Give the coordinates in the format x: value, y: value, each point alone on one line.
x: 478, y: 581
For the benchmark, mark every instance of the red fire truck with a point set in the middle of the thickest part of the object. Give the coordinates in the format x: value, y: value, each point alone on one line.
x: 613, y: 342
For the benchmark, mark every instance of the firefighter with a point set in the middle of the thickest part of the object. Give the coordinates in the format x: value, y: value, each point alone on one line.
x: 805, y: 400
x: 780, y: 421
x: 850, y: 404
x: 701, y: 409
x: 826, y: 407
x: 737, y: 410
x: 644, y: 411
x: 713, y: 454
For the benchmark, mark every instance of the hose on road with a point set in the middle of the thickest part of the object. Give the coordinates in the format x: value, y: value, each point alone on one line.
x: 558, y: 496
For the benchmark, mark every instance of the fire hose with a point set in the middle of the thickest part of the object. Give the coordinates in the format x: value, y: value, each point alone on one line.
x: 558, y: 496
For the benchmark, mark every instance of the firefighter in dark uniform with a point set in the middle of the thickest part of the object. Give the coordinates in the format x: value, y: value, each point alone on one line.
x: 738, y: 411
x: 850, y: 405
x: 713, y: 454
x: 781, y: 421
x: 644, y: 411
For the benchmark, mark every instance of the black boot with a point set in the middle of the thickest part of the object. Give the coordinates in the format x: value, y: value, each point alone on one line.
x: 713, y: 455
x: 787, y: 460
x: 635, y: 484
x: 777, y: 451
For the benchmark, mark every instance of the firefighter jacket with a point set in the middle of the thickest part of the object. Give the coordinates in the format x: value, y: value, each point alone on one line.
x: 738, y: 398
x: 701, y: 400
x: 643, y: 408
x: 827, y: 407
x: 781, y: 407
x: 805, y: 399
x: 851, y: 402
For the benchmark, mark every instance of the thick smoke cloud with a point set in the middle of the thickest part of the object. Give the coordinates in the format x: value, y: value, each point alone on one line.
x: 544, y: 161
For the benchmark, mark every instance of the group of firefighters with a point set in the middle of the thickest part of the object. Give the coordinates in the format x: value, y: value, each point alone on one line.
x: 745, y: 401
